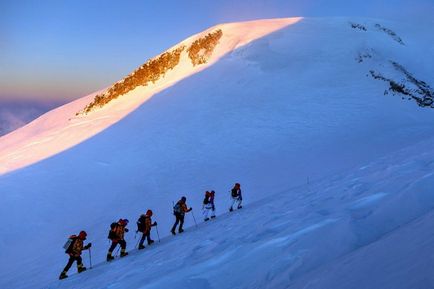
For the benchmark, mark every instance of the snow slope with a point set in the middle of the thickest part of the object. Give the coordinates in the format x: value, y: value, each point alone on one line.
x: 370, y: 227
x: 278, y: 105
x: 61, y: 129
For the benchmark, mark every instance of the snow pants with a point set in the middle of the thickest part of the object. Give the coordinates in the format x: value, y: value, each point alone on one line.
x: 121, y: 243
x: 71, y: 261
x: 236, y: 200
x: 145, y: 236
x: 179, y: 220
x: 207, y: 209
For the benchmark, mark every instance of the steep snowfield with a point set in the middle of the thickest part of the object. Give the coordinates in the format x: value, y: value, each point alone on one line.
x: 276, y: 106
x: 368, y: 228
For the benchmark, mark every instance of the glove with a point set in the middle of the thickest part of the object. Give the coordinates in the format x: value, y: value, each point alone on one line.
x: 190, y: 209
x: 155, y: 224
x: 88, y: 246
x: 126, y: 230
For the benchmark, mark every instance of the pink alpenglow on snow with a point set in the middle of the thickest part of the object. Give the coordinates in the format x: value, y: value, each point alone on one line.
x: 61, y: 129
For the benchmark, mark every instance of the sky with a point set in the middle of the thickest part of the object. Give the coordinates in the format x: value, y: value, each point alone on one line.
x: 61, y: 50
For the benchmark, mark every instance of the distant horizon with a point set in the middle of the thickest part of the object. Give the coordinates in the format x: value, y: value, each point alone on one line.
x: 17, y: 113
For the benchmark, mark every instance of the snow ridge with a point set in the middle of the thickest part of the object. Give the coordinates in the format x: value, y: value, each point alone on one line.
x: 62, y: 128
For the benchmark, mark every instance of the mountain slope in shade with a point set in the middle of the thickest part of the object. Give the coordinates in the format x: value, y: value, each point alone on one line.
x: 282, y: 106
x: 369, y: 227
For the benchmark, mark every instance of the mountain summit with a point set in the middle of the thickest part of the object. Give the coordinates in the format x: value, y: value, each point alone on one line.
x: 77, y: 121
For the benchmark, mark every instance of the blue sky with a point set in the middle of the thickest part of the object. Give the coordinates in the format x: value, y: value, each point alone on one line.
x: 61, y: 50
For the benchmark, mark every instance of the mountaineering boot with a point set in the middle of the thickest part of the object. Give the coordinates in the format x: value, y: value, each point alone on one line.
x: 206, y: 219
x: 123, y: 253
x: 180, y: 231
x: 81, y: 269
x: 109, y: 257
x: 231, y: 209
x: 212, y: 217
x: 63, y: 275
x: 239, y: 207
x: 141, y: 247
x: 173, y: 232
x: 150, y: 242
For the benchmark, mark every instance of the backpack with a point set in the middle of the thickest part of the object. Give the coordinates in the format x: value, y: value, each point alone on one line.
x: 112, y: 234
x: 69, y: 243
x: 141, y: 224
x: 206, y: 200
x: 177, y: 209
x: 234, y: 193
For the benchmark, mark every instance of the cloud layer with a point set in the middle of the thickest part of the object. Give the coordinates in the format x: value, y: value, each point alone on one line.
x: 14, y: 115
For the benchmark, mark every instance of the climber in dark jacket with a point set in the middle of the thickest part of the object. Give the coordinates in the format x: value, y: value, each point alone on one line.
x: 116, y: 234
x: 208, y: 205
x: 236, y: 197
x: 74, y: 251
x: 144, y: 225
x: 179, y: 211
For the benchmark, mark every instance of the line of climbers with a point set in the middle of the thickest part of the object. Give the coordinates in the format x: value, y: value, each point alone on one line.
x: 74, y: 245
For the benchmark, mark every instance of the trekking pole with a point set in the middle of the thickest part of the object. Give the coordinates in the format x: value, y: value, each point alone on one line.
x: 90, y: 258
x: 117, y: 251
x: 137, y: 244
x: 194, y: 218
x: 158, y: 234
